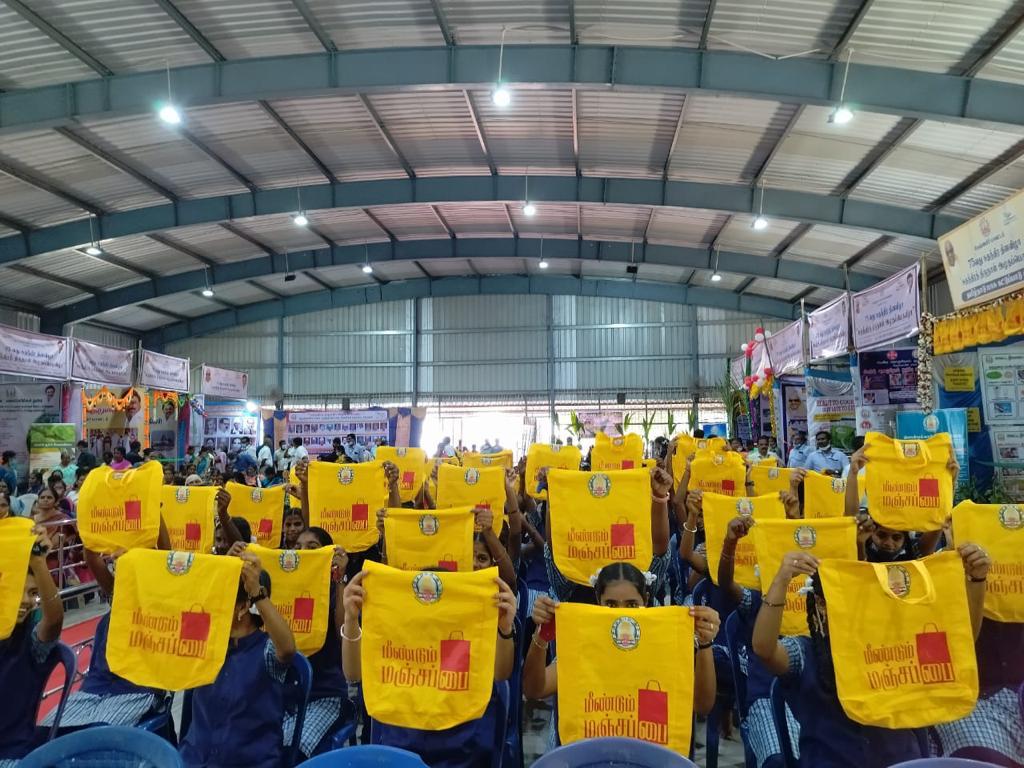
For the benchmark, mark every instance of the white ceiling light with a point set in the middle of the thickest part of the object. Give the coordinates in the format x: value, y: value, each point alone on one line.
x: 715, y: 277
x: 842, y: 114
x: 529, y: 209
x: 543, y: 262
x: 501, y: 96
x: 300, y: 219
x: 251, y: 407
x: 94, y: 250
x: 170, y: 114
x: 760, y: 223
x: 208, y: 292
x: 367, y: 269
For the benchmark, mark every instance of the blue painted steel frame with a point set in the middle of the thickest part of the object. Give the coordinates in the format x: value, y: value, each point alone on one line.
x: 801, y: 80
x: 319, y: 301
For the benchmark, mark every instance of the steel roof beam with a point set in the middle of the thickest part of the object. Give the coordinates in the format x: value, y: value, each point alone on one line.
x: 314, y: 25
x: 887, y: 90
x: 265, y: 289
x: 318, y: 280
x: 443, y: 222
x: 874, y: 160
x: 421, y: 252
x: 478, y: 128
x: 59, y: 37
x: 164, y: 312
x: 283, y: 125
x: 249, y: 239
x: 556, y: 285
x: 742, y: 287
x: 705, y: 30
x: 982, y: 60
x: 124, y: 264
x: 379, y: 224
x: 73, y: 284
x: 42, y: 184
x: 573, y: 34
x: 16, y: 224
x: 203, y: 147
x: 442, y: 22
x: 385, y: 134
x: 576, y: 133
x: 116, y: 162
x: 803, y: 294
x: 1013, y: 155
x: 863, y: 253
x: 763, y: 170
x: 190, y: 252
x: 190, y: 29
x: 851, y: 30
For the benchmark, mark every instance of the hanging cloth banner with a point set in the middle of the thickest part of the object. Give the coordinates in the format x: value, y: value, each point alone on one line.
x: 544, y: 456
x: 344, y: 500
x: 724, y: 473
x: 719, y: 511
x: 786, y: 349
x: 262, y: 508
x: 300, y: 583
x: 909, y: 486
x: 611, y: 453
x: 171, y: 617
x: 16, y: 540
x: 33, y: 354
x: 415, y: 539
x: 412, y: 469
x: 480, y: 460
x: 824, y: 495
x: 916, y: 668
x: 164, y: 372
x: 999, y: 530
x: 599, y: 518
x: 480, y: 488
x: 100, y: 364
x: 223, y: 382
x: 887, y: 311
x: 189, y: 513
x: 429, y: 641
x: 120, y: 510
x: 646, y: 698
x: 769, y: 479
x: 774, y: 539
x: 829, y: 329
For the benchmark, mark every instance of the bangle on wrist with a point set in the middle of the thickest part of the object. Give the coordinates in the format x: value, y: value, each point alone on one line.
x: 355, y: 639
x: 700, y: 646
x: 660, y: 499
x: 543, y: 644
x: 766, y: 602
x: 509, y: 636
x: 978, y: 581
x: 689, y: 530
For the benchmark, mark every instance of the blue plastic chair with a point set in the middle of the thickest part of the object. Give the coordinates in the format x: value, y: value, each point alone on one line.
x: 782, y: 725
x: 613, y: 753
x: 297, y: 684
x: 62, y: 655
x: 734, y: 625
x: 944, y: 762
x: 108, y: 746
x: 366, y: 756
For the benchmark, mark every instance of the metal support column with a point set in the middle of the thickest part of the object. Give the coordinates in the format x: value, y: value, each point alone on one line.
x: 416, y: 306
x: 280, y: 355
x: 549, y: 317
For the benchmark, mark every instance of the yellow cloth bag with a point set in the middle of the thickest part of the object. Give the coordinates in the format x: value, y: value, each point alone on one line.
x: 719, y: 511
x: 650, y: 694
x: 424, y: 538
x: 262, y: 508
x: 769, y: 479
x: 999, y: 530
x: 412, y: 468
x: 189, y: 513
x: 472, y: 487
x: 120, y: 510
x: 542, y: 455
x: 718, y: 472
x: 715, y: 444
x: 767, y: 461
x: 429, y: 641
x: 171, y: 617
x: 612, y: 453
x: 1013, y: 321
x: 16, y: 542
x: 344, y: 500
x: 479, y: 460
x: 300, y: 589
x: 599, y: 518
x: 901, y: 638
x: 908, y: 485
x: 774, y: 539
x: 824, y: 495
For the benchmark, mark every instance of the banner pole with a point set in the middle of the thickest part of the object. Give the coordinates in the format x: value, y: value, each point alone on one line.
x: 924, y: 285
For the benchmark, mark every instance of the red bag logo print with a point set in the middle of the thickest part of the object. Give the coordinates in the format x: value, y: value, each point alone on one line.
x: 455, y: 656
x: 627, y: 464
x: 448, y: 563
x: 360, y: 513
x: 193, y: 533
x: 623, y: 540
x: 652, y: 713
x: 265, y: 528
x: 302, y: 614
x: 928, y: 490
x: 728, y: 487
x: 195, y: 631
x: 132, y: 514
x: 933, y: 656
x: 408, y: 478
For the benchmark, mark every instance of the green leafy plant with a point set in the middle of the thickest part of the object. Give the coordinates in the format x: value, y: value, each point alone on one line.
x: 624, y: 426
x: 733, y: 399
x: 670, y: 425
x: 576, y: 427
x: 647, y: 424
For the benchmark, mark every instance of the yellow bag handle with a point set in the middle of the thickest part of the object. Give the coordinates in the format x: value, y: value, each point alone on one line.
x: 120, y: 477
x: 882, y: 574
x: 923, y: 457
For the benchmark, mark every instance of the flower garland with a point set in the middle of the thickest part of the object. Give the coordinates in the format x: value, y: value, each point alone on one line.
x: 105, y: 396
x: 925, y: 370
x: 758, y: 383
x: 160, y: 396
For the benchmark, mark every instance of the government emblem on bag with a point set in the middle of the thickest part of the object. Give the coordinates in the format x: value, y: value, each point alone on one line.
x: 429, y: 524
x: 718, y: 459
x: 773, y: 473
x: 805, y: 537
x: 744, y: 507
x: 931, y: 423
x: 346, y: 475
x: 179, y: 563
x: 910, y: 450
x: 181, y: 495
x: 256, y: 495
x: 400, y: 452
x: 625, y: 633
x: 472, y: 476
x: 899, y: 580
x: 1011, y: 517
x: 838, y: 485
x: 427, y: 587
x: 600, y: 486
x: 288, y: 560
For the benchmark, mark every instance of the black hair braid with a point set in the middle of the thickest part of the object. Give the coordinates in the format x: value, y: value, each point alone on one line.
x: 820, y: 646
x: 621, y: 572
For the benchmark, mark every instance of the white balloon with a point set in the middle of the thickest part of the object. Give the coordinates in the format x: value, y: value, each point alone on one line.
x: 743, y: 347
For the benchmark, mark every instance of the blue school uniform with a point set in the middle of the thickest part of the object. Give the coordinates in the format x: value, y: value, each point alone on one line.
x: 23, y: 674
x: 827, y: 736
x: 236, y: 721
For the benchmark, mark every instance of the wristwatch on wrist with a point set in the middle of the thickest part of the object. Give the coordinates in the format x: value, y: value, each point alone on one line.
x: 261, y: 595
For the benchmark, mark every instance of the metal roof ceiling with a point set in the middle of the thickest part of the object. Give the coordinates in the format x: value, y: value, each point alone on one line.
x: 121, y: 165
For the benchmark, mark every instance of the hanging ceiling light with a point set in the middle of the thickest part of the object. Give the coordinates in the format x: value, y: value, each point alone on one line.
x: 529, y: 209
x: 367, y: 269
x: 208, y: 292
x: 300, y: 219
x: 168, y: 112
x: 760, y: 223
x: 93, y: 249
x: 543, y: 262
x: 715, y: 276
x: 842, y: 114
x: 501, y: 96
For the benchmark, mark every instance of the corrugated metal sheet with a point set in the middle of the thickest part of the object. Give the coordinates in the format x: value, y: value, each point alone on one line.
x: 1009, y: 63
x: 150, y: 255
x: 781, y: 27
x: 616, y: 222
x: 476, y: 22
x: 685, y: 226
x: 994, y: 190
x: 410, y: 222
x: 479, y: 219
x: 84, y: 269
x: 22, y: 287
x: 830, y: 245
x: 188, y: 304
x: 29, y: 58
x: 244, y: 28
x: 22, y: 320
x: 348, y: 225
x: 469, y: 312
x: 32, y: 206
x: 385, y: 316
x: 550, y: 220
x: 626, y: 133
x: 280, y: 232
x: 378, y: 23
x: 655, y: 22
x: 110, y: 338
x: 533, y: 135
x: 739, y: 236
x: 134, y: 318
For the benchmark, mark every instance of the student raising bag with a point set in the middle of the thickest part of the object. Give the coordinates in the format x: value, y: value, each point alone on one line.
x: 501, y: 459
x: 120, y: 510
x: 769, y: 479
x: 909, y: 486
x: 599, y: 518
x: 999, y: 530
x: 189, y: 513
x: 541, y: 456
x: 824, y: 495
x: 412, y: 469
x: 649, y: 695
x: 719, y: 511
x: 16, y: 542
x: 262, y: 508
x: 344, y: 500
x: 300, y: 589
x: 622, y: 452
x: 171, y: 617
x: 902, y: 644
x: 429, y: 641
x: 774, y: 539
x: 472, y: 487
x: 718, y: 472
x: 425, y: 538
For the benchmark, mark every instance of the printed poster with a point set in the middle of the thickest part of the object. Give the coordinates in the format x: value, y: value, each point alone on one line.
x: 786, y: 349
x: 317, y: 429
x: 600, y: 421
x: 916, y: 425
x: 21, y: 406
x: 101, y: 365
x: 832, y: 407
x: 46, y: 441
x: 876, y: 418
x: 984, y: 258
x: 1002, y: 383
x: 163, y: 371
x: 828, y: 329
x: 163, y: 427
x: 105, y: 427
x: 889, y: 311
x: 223, y: 382
x: 226, y: 423
x: 794, y: 408
x: 888, y: 377
x: 1008, y: 456
x: 33, y: 354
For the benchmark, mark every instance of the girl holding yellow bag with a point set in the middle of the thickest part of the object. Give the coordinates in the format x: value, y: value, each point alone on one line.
x: 825, y: 672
